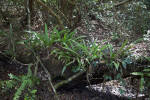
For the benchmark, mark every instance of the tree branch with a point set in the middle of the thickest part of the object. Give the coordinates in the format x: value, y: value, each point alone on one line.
x: 50, y: 11
x: 69, y: 79
x: 122, y: 3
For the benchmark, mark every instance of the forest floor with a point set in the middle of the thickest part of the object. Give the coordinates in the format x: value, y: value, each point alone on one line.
x: 110, y: 90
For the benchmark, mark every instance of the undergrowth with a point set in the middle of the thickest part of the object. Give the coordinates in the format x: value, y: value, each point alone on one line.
x: 74, y: 51
x: 24, y: 85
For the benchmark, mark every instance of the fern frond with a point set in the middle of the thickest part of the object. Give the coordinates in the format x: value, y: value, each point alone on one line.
x: 19, y: 90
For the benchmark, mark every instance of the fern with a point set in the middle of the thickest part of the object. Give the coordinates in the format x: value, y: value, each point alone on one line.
x: 25, y: 82
x: 20, y: 89
x: 7, y: 85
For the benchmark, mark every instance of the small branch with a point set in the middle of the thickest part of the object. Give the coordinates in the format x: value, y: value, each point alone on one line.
x: 36, y: 68
x: 62, y: 13
x: 122, y: 3
x: 119, y: 4
x: 29, y: 15
x: 49, y: 77
x: 69, y: 79
x: 72, y: 2
x: 14, y: 60
x: 73, y: 77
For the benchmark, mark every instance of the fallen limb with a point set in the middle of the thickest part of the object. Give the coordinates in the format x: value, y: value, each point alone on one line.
x: 69, y: 79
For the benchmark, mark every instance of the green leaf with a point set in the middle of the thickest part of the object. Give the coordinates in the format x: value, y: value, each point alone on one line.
x: 65, y: 37
x: 147, y: 74
x: 29, y: 70
x: 122, y: 47
x: 54, y: 51
x: 94, y: 44
x: 69, y: 49
x: 14, y: 77
x: 148, y: 58
x: 124, y: 64
x: 147, y: 70
x: 79, y: 38
x: 97, y: 47
x: 39, y: 36
x: 64, y: 68
x: 83, y: 47
x: 11, y: 29
x: 45, y: 1
x: 46, y: 33
x: 100, y: 55
x: 70, y: 35
x: 116, y: 65
x: 118, y: 76
x: 137, y: 73
x: 128, y: 60
x: 57, y: 33
x: 33, y: 91
x: 111, y: 50
x: 72, y: 46
x: 107, y: 77
x: 102, y: 48
x: 76, y: 68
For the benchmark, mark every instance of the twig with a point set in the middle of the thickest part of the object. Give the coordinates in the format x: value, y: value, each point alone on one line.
x: 36, y: 68
x: 62, y: 13
x: 14, y: 60
x: 49, y: 77
x: 122, y: 3
x: 119, y: 4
